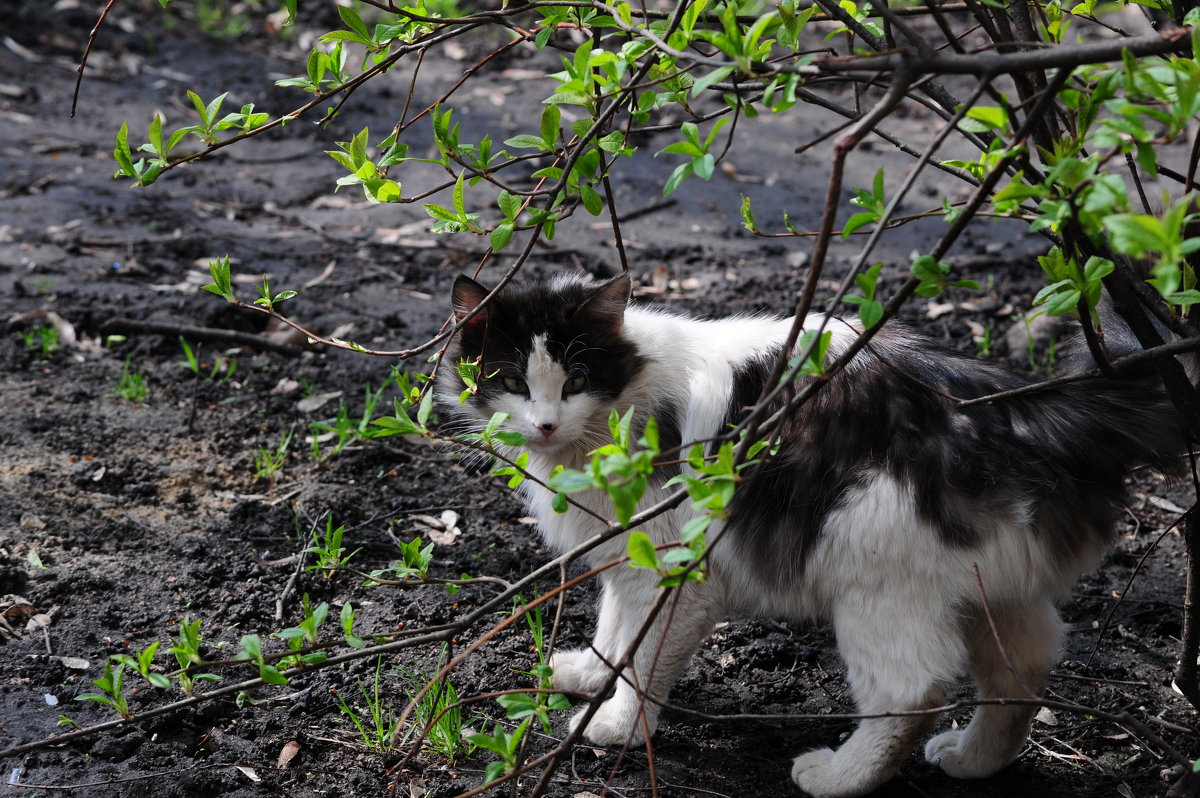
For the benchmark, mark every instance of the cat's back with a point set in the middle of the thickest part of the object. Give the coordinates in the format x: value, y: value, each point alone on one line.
x: 690, y: 341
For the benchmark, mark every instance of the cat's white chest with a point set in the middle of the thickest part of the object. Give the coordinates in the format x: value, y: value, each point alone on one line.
x: 561, y: 531
x: 567, y: 530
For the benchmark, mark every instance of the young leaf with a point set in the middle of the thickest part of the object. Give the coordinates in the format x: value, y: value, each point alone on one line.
x: 551, y: 119
x: 121, y: 153
x: 641, y: 551
x: 500, y: 237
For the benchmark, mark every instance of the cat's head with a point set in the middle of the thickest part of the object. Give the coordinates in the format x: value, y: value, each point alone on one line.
x: 551, y: 355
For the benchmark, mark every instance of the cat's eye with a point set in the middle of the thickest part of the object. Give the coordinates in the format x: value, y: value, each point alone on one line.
x: 515, y: 385
x: 575, y: 384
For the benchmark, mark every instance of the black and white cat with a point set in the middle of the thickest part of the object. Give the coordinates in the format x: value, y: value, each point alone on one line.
x: 882, y: 500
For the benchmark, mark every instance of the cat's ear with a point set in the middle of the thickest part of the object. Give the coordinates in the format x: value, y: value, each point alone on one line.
x: 605, y: 309
x: 465, y: 297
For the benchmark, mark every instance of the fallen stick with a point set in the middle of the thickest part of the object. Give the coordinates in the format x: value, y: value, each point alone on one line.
x: 209, y: 334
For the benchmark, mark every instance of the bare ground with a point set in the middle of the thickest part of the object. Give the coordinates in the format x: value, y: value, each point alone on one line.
x: 119, y: 518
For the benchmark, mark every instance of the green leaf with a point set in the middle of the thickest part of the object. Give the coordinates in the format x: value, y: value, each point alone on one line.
x: 858, y: 220
x: 500, y: 237
x: 870, y: 313
x: 527, y: 141
x: 705, y: 81
x: 222, y: 281
x: 641, y: 551
x: 571, y: 481
x: 569, y: 98
x: 510, y: 205
x: 155, y: 135
x: 357, y: 146
x: 985, y: 118
x: 459, y: 202
x: 748, y: 216
x: 613, y: 142
x: 1135, y: 234
x: 677, y: 555
x: 354, y: 22
x: 650, y: 436
x: 271, y: 675
x: 438, y: 212
x: 1063, y: 302
x: 682, y: 148
x: 592, y: 201
x: 1184, y: 298
x: 397, y: 424
x: 517, y: 705
x: 121, y: 153
x: 551, y: 120
x: 681, y: 173
x: 424, y: 410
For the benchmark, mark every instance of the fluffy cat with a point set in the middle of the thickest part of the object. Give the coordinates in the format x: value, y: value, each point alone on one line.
x: 881, y: 501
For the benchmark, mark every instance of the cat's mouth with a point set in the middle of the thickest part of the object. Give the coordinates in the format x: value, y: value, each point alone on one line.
x: 542, y: 443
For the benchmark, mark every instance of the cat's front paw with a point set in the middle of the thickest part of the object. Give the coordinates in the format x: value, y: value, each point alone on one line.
x: 816, y: 774
x: 952, y: 753
x: 811, y: 772
x: 578, y: 671
x: 616, y: 723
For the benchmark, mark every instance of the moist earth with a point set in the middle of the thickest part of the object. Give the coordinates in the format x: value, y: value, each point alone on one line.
x: 121, y: 517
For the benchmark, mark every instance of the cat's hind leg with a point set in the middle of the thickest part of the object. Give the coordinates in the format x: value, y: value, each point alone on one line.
x: 1031, y: 636
x: 900, y: 656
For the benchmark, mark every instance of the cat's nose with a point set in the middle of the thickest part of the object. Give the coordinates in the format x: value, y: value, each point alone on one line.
x: 547, y: 429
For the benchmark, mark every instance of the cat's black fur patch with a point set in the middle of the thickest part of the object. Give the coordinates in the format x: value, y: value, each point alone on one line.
x: 1064, y: 450
x: 565, y: 315
x: 670, y: 441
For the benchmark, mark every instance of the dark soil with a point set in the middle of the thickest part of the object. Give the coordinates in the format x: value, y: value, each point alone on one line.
x: 119, y: 518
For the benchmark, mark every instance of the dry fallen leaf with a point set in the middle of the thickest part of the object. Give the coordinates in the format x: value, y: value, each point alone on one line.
x: 39, y: 621
x: 15, y: 609
x: 287, y: 754
x: 660, y: 279
x: 935, y: 310
x: 249, y: 773
x: 31, y: 521
x: 1165, y: 504
x: 311, y: 404
x: 443, y: 531
x: 285, y: 385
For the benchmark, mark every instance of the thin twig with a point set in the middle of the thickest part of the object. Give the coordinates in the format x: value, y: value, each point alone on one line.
x: 1000, y: 644
x: 291, y: 582
x: 194, y: 333
x: 86, y: 51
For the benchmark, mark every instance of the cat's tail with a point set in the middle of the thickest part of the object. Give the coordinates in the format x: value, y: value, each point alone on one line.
x: 1118, y: 341
x: 1142, y: 419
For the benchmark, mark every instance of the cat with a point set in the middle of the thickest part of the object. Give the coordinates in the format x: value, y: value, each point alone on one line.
x: 882, y: 509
